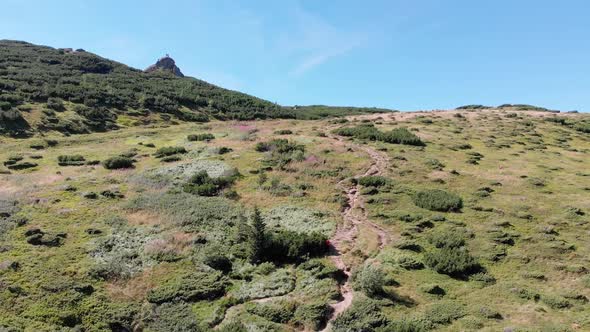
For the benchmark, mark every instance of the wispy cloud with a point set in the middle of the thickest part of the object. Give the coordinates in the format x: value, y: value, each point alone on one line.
x: 314, y: 41
x: 319, y: 58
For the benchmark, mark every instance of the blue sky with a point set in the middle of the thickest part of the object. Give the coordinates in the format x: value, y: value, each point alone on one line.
x: 421, y: 54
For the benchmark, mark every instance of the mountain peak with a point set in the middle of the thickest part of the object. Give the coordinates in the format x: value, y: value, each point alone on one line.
x: 165, y: 63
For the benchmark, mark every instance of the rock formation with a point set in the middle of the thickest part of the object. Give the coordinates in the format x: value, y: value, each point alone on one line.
x: 166, y: 64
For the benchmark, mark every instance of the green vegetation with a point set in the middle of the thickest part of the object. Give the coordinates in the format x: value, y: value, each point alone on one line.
x: 370, y: 132
x: 71, y: 160
x: 316, y: 112
x: 438, y: 200
x: 200, y: 137
x: 169, y: 151
x: 93, y: 93
x: 118, y: 162
x: 252, y: 240
x: 281, y: 152
x: 203, y: 185
x: 456, y: 262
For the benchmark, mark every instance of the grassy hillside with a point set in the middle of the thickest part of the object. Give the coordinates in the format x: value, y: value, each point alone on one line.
x: 74, y: 91
x: 442, y: 221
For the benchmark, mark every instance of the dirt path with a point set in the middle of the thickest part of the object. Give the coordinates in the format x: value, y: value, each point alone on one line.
x: 354, y: 215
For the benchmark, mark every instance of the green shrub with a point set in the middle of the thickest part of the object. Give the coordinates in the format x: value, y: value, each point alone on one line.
x: 194, y: 286
x: 177, y: 317
x: 473, y: 107
x: 170, y: 159
x: 118, y: 162
x: 289, y: 246
x: 363, y: 315
x: 456, y: 262
x: 201, y: 137
x: 283, y: 132
x: 39, y: 145
x: 55, y: 104
x: 444, y: 312
x: 556, y: 302
x: 369, y: 279
x: 224, y: 150
x: 432, y: 289
x: 21, y: 165
x: 281, y: 312
x: 401, y: 136
x: 233, y: 326
x: 373, y: 181
x: 406, y: 325
x: 169, y: 151
x: 280, y: 145
x: 438, y: 200
x: 51, y: 142
x: 370, y: 132
x: 447, y: 238
x: 281, y: 151
x: 70, y: 160
x: 312, y: 316
x: 203, y: 185
x: 218, y: 262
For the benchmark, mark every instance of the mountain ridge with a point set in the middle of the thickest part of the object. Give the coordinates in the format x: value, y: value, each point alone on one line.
x: 75, y: 91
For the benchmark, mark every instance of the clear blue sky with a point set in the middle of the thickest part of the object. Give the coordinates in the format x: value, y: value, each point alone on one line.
x: 420, y: 54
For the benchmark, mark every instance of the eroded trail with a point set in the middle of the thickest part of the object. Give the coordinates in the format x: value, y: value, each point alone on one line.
x: 354, y: 215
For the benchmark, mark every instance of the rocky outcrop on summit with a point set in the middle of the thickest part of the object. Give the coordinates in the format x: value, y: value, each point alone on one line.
x: 167, y: 64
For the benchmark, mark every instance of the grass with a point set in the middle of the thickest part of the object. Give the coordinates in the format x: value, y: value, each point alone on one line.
x: 147, y: 244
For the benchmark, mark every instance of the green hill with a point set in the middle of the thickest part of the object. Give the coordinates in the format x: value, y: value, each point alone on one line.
x: 74, y: 91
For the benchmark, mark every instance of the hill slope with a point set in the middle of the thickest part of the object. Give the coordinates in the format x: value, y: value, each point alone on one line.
x: 478, y: 223
x: 74, y: 91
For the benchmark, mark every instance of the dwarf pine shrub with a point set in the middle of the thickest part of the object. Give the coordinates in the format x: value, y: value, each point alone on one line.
x: 118, y: 162
x: 438, y: 200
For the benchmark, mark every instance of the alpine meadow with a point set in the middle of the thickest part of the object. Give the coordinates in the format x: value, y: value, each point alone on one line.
x: 149, y: 200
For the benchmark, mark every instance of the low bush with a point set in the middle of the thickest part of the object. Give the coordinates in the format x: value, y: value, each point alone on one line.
x: 474, y: 107
x: 203, y: 185
x: 456, y: 262
x: 312, y: 316
x: 218, y: 262
x: 289, y: 246
x: 369, y: 279
x: 170, y: 159
x: 194, y: 286
x: 363, y: 315
x: 281, y: 312
x: 21, y: 165
x: 373, y: 181
x: 277, y: 283
x: 201, y: 137
x: 432, y: 289
x: 177, y: 317
x: 281, y: 151
x: 283, y: 132
x: 444, y: 312
x: 39, y: 145
x: 438, y: 200
x: 556, y: 302
x: 370, y: 132
x: 447, y: 238
x: 169, y: 151
x: 118, y: 163
x: 55, y: 104
x: 70, y: 160
x: 280, y: 145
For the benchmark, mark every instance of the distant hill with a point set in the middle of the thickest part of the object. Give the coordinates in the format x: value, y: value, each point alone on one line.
x: 74, y: 91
